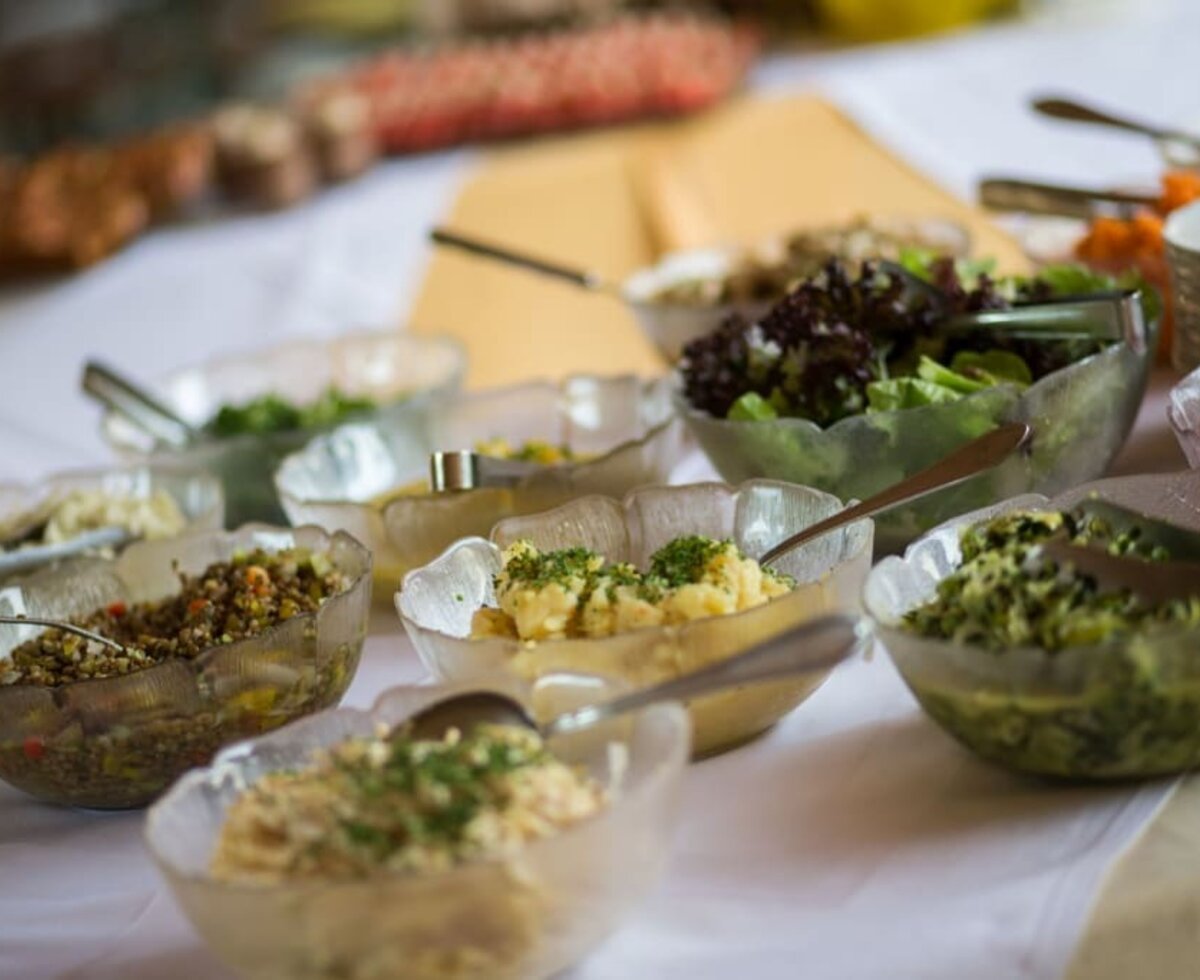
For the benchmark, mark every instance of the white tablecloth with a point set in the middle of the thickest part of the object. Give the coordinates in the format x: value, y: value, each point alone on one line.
x: 855, y: 840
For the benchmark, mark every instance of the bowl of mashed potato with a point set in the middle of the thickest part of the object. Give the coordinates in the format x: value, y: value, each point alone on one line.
x: 343, y: 847
x: 641, y: 590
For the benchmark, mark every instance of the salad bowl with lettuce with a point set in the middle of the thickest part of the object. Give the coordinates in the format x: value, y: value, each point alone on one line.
x: 848, y: 385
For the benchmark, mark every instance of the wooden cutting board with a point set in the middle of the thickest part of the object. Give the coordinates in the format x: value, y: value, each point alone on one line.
x: 616, y: 200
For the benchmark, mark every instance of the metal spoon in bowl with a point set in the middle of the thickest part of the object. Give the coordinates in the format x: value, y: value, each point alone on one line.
x: 133, y: 403
x: 65, y: 627
x: 502, y: 253
x: 23, y: 559
x: 971, y: 459
x: 810, y: 648
x: 1072, y: 111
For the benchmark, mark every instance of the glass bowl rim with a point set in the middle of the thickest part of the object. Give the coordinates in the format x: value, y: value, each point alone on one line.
x: 683, y: 630
x: 651, y: 387
x: 197, y: 663
x: 1013, y: 659
x: 453, y: 379
x: 234, y: 755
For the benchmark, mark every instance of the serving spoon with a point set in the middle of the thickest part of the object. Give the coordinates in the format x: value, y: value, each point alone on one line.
x: 975, y: 457
x: 592, y: 281
x: 23, y: 559
x: 1072, y: 111
x: 814, y: 646
x: 65, y: 627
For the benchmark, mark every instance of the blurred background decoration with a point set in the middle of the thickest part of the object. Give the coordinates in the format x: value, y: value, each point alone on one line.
x: 86, y: 69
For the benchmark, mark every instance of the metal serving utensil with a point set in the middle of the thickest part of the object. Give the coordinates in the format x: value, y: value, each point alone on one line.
x: 1181, y: 543
x: 1112, y: 315
x: 1011, y: 194
x: 1153, y: 582
x: 466, y: 469
x: 65, y: 627
x: 1072, y: 111
x: 977, y: 456
x: 133, y: 402
x: 23, y: 559
x: 813, y: 646
x: 522, y: 260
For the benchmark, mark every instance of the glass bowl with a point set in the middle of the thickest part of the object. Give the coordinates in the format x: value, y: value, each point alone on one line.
x: 523, y: 918
x: 348, y: 478
x: 408, y: 375
x: 1115, y: 710
x: 1080, y: 416
x: 117, y: 742
x: 197, y: 494
x: 438, y: 601
x: 670, y: 326
x: 1183, y: 412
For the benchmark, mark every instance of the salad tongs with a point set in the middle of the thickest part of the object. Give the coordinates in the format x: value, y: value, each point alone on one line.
x: 1177, y: 577
x: 1113, y: 315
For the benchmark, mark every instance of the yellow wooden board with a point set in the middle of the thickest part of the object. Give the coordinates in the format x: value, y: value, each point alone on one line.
x: 616, y: 200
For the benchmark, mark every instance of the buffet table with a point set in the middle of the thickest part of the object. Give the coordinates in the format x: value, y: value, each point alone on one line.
x: 855, y: 839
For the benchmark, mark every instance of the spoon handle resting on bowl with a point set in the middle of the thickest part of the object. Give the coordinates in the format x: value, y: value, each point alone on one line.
x: 813, y: 647
x: 132, y: 402
x: 509, y: 256
x: 1032, y: 197
x: 65, y: 627
x: 1073, y: 111
x: 977, y: 456
x: 23, y: 559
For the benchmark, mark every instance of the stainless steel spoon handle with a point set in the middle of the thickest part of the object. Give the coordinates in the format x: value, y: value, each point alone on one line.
x: 1011, y: 194
x: 816, y: 646
x: 65, y: 627
x: 977, y: 456
x: 502, y: 253
x: 1072, y: 111
x: 23, y: 559
x: 135, y: 404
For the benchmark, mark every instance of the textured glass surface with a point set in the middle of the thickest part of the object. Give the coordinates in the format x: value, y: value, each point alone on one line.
x: 1183, y: 411
x: 1080, y: 417
x: 384, y: 366
x: 346, y: 479
x: 1010, y: 707
x: 523, y: 918
x: 118, y: 742
x: 830, y: 572
x: 197, y: 494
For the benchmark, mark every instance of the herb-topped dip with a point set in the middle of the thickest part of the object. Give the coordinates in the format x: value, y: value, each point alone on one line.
x: 228, y: 601
x: 394, y: 803
x: 1065, y: 678
x: 574, y: 592
x: 1004, y: 594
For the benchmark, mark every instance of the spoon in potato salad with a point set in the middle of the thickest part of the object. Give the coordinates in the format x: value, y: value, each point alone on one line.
x: 811, y: 648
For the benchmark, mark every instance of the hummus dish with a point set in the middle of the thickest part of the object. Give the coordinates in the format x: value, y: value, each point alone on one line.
x: 394, y: 803
x: 575, y: 593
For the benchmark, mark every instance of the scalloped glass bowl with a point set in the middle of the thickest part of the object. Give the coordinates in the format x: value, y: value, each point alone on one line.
x: 521, y: 919
x: 347, y: 478
x: 1080, y: 416
x: 438, y: 601
x: 671, y: 326
x: 1066, y: 714
x: 1183, y: 412
x: 118, y: 742
x: 197, y: 494
x: 409, y: 376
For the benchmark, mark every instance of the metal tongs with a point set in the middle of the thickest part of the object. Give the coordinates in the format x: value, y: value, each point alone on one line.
x: 1154, y: 582
x: 1113, y: 315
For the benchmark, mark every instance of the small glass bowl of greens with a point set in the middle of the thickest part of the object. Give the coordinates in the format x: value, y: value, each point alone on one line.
x: 1032, y: 666
x: 527, y: 913
x: 590, y: 433
x: 847, y: 386
x: 254, y: 409
x: 225, y: 635
x: 440, y: 602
